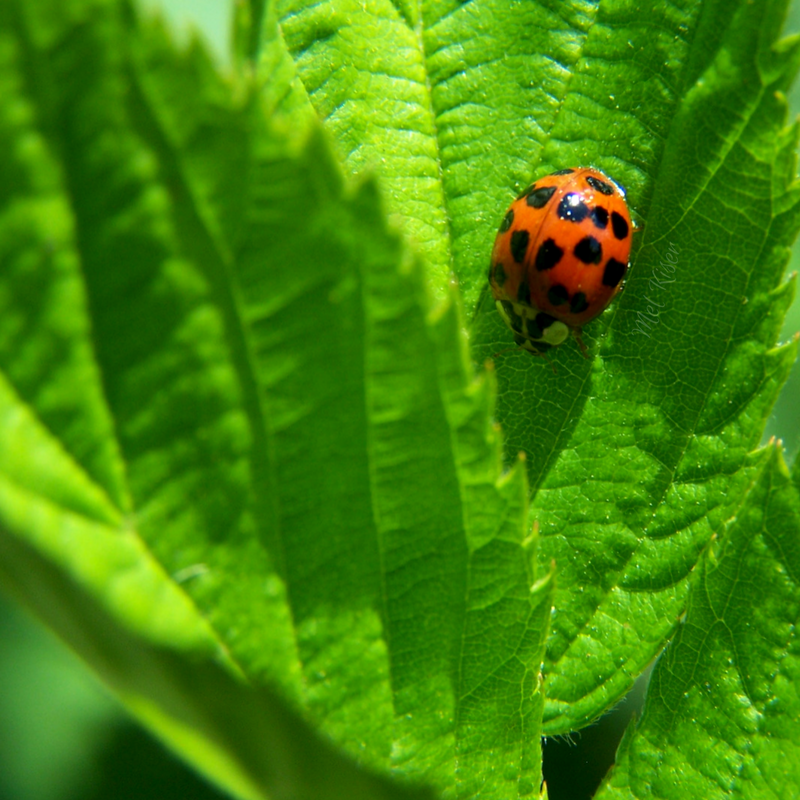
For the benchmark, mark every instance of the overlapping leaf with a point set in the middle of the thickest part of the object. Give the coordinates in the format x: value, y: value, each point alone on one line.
x: 253, y: 444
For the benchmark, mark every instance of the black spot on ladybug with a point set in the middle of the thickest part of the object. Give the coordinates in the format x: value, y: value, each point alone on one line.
x: 558, y: 294
x: 572, y: 208
x: 599, y: 216
x: 548, y: 255
x: 578, y: 303
x: 563, y: 172
x: 524, y: 292
x: 589, y: 250
x: 498, y: 274
x: 514, y: 319
x: 540, y: 197
x: 519, y: 245
x: 525, y: 192
x: 599, y: 186
x: 508, y: 220
x: 613, y: 272
x: 618, y: 225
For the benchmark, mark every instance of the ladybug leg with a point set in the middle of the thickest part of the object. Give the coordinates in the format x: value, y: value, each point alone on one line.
x: 541, y: 354
x: 576, y: 332
x: 530, y: 347
x: 537, y: 353
x: 552, y: 365
x: 504, y: 351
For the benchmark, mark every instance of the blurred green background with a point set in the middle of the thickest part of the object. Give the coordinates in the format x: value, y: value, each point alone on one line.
x: 62, y: 736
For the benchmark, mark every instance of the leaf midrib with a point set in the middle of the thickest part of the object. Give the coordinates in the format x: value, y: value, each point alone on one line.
x: 218, y: 269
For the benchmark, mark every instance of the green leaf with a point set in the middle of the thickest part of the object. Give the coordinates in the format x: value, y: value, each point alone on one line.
x: 309, y: 485
x: 722, y: 716
x: 243, y: 737
x: 408, y: 569
x: 796, y: 474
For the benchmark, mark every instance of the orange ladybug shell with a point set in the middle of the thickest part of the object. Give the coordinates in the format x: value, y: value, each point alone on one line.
x: 563, y: 246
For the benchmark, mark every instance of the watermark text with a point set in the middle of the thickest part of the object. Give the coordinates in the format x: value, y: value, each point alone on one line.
x: 663, y: 275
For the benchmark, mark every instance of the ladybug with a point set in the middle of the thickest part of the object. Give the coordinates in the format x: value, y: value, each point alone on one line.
x: 560, y: 256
